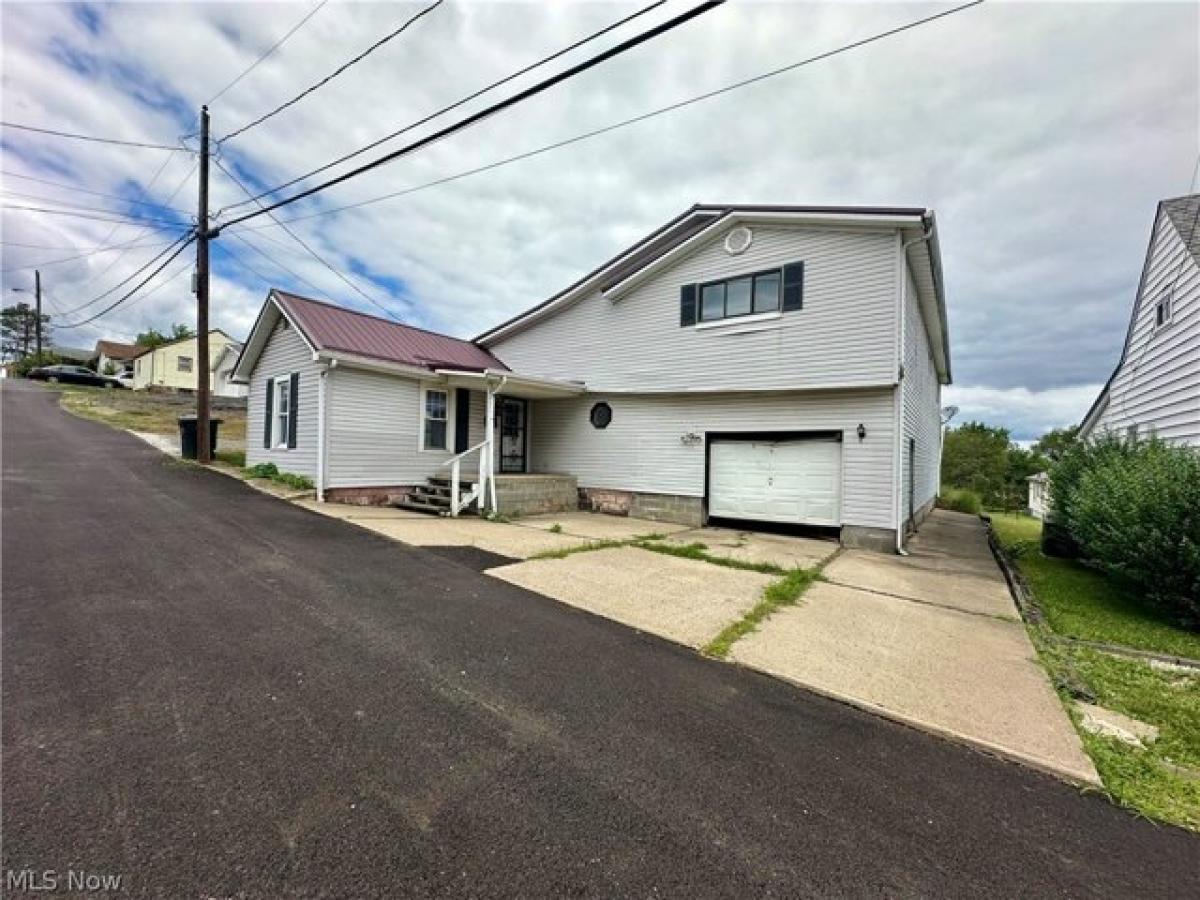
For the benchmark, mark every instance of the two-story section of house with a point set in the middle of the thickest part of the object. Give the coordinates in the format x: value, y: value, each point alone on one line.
x: 741, y: 364
x: 1155, y: 388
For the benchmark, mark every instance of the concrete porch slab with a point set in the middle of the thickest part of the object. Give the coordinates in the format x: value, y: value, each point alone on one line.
x: 785, y: 551
x: 598, y: 526
x: 974, y: 589
x: 680, y: 599
x: 964, y: 676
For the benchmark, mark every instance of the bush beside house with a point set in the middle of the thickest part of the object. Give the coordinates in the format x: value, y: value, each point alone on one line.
x: 1133, y: 508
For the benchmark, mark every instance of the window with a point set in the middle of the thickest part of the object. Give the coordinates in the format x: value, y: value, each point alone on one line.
x: 184, y: 363
x: 1162, y: 311
x: 1131, y: 432
x: 741, y: 296
x: 283, y: 410
x: 437, y: 404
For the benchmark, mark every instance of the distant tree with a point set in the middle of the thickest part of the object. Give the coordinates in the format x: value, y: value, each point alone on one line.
x: 110, y: 368
x: 18, y: 331
x: 1053, y: 444
x: 975, y: 457
x: 152, y: 337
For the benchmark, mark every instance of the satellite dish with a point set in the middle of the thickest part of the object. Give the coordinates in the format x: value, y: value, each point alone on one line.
x: 948, y: 413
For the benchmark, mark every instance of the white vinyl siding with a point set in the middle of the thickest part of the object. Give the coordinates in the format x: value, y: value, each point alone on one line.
x: 375, y: 431
x: 643, y: 449
x: 921, y: 393
x: 846, y: 333
x: 1157, y: 386
x: 284, y: 353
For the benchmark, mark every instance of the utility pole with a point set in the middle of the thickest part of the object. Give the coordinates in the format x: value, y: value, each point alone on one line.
x: 202, y: 423
x: 37, y: 316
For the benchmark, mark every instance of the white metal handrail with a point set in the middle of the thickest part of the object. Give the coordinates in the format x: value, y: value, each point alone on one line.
x: 457, y: 501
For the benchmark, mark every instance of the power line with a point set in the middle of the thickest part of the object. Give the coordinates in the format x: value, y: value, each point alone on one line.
x: 83, y: 215
x: 86, y: 137
x: 321, y: 293
x: 311, y: 252
x: 455, y: 105
x: 75, y: 188
x: 623, y: 123
x: 279, y: 43
x: 145, y: 230
x: 94, y: 252
x: 40, y: 198
x: 134, y: 290
x: 495, y: 108
x: 182, y: 241
x: 336, y: 72
x: 131, y: 245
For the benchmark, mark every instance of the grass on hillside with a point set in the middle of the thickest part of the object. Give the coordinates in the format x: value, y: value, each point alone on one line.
x: 1084, y: 603
x: 147, y: 412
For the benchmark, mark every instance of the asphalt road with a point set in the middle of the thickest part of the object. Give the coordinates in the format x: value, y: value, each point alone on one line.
x: 212, y: 693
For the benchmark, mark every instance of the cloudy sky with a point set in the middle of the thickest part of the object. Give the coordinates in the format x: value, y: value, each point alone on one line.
x: 1042, y: 134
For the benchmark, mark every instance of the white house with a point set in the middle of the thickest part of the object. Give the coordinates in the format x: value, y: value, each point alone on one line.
x: 1155, y: 388
x: 1039, y: 494
x: 751, y: 363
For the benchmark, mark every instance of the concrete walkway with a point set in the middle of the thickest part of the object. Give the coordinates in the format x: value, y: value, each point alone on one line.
x: 933, y: 640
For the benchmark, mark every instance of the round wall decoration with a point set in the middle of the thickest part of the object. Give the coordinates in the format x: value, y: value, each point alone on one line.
x: 739, y: 240
x: 601, y: 415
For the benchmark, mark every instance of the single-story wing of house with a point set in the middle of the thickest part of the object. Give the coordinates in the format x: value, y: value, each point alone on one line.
x: 747, y: 363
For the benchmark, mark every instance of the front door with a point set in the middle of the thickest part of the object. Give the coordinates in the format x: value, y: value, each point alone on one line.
x: 513, y: 414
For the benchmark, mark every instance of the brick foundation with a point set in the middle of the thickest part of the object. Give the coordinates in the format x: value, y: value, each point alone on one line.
x: 655, y: 507
x: 602, y: 500
x: 367, y: 496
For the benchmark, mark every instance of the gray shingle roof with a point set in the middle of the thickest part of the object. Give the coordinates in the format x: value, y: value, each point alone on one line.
x: 1184, y: 213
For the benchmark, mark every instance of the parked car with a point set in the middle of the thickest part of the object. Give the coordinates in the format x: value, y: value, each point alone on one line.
x: 73, y: 375
x: 125, y: 379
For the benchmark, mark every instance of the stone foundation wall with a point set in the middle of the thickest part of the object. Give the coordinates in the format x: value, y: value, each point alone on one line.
x: 529, y: 495
x: 602, y: 500
x: 668, y: 508
x: 367, y: 496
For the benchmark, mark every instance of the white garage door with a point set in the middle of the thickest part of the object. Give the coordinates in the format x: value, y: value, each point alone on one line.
x: 776, y: 481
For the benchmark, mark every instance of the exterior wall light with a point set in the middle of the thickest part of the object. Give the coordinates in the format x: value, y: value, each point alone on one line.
x: 862, y: 431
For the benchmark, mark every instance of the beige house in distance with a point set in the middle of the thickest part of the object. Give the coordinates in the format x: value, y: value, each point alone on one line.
x: 174, y: 366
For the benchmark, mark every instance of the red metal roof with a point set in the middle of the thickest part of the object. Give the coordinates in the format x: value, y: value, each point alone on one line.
x: 336, y: 328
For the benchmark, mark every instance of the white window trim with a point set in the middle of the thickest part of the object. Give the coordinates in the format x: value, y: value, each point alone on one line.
x: 450, y: 419
x: 280, y: 441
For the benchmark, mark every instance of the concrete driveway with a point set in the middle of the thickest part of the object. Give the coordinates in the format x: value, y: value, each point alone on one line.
x: 932, y: 639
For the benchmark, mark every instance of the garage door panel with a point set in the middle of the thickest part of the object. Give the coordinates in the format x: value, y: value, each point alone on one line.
x: 776, y: 481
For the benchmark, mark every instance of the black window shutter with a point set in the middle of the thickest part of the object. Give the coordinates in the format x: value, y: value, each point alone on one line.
x: 462, y: 419
x: 267, y: 408
x: 687, y: 305
x: 793, y: 286
x: 293, y: 407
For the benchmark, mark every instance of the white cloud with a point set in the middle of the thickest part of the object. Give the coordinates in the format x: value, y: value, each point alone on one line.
x: 1028, y: 414
x: 1039, y: 133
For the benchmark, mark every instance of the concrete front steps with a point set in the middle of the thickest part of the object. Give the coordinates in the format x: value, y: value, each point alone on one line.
x: 433, y: 497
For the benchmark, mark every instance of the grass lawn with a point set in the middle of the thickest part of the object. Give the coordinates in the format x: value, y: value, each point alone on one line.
x: 1080, y: 602
x: 144, y: 411
x: 1161, y: 780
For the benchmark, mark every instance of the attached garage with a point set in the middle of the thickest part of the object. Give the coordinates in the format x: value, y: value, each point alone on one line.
x: 792, y: 478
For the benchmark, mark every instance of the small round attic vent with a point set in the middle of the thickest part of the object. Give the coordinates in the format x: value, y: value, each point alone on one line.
x: 739, y: 240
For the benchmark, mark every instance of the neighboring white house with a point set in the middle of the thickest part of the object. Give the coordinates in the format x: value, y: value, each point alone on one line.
x: 1039, y: 494
x: 778, y: 364
x: 1155, y: 388
x: 222, y: 372
x: 173, y: 365
x: 117, y: 355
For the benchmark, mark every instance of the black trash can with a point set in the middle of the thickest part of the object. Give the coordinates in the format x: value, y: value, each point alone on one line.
x: 187, y: 436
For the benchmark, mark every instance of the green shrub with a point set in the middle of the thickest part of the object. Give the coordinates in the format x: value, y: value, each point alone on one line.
x: 1135, y: 511
x: 1074, y: 461
x: 960, y: 500
x: 263, y: 470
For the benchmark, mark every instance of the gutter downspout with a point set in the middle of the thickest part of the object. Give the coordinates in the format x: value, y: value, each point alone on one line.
x: 926, y: 234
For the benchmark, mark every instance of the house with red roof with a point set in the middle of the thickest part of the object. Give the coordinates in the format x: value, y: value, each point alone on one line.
x: 747, y: 363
